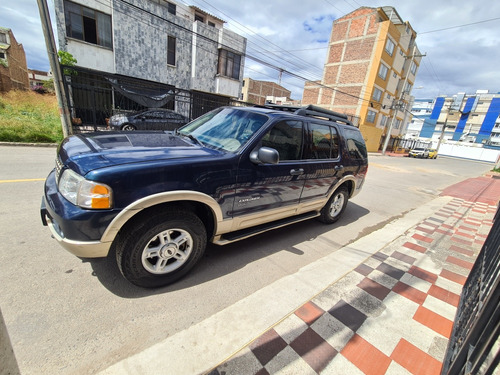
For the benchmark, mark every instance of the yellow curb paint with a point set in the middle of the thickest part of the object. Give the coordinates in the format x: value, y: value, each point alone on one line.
x: 23, y: 180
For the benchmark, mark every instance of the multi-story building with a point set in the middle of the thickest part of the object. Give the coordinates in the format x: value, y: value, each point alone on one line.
x: 13, y: 67
x: 38, y: 77
x: 370, y: 70
x: 158, y: 41
x: 421, y: 112
x: 461, y: 117
x: 258, y: 92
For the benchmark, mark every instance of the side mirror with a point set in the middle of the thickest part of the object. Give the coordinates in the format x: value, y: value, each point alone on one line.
x: 265, y: 155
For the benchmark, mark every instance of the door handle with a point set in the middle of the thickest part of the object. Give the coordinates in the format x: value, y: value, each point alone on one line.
x: 338, y: 167
x: 297, y: 172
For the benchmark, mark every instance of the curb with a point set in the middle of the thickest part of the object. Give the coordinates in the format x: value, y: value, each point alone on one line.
x: 23, y: 144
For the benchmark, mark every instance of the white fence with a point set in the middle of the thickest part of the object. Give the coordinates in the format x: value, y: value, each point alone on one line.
x: 469, y: 152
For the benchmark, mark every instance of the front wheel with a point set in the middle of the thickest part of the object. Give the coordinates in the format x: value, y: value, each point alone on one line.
x: 160, y: 249
x: 335, y: 206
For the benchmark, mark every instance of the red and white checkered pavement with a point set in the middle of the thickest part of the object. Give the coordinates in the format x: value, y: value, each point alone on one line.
x: 393, y: 314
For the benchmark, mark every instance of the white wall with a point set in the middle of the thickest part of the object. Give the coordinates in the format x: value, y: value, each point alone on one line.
x: 468, y: 152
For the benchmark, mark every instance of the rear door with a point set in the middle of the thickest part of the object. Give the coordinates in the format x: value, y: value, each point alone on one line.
x: 322, y: 164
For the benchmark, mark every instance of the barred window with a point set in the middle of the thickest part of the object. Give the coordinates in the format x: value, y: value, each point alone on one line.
x: 171, y: 50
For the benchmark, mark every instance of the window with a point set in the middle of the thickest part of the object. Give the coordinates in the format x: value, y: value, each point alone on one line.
x: 88, y: 24
x: 171, y: 51
x: 413, y: 68
x: 398, y: 124
x: 383, y: 120
x: 389, y: 47
x: 229, y: 64
x: 370, y: 117
x: 172, y: 8
x: 198, y: 17
x: 3, y: 38
x: 2, y: 55
x: 286, y: 138
x: 211, y: 24
x: 325, y: 142
x: 407, y: 87
x: 377, y: 94
x: 355, y: 144
x: 382, y: 72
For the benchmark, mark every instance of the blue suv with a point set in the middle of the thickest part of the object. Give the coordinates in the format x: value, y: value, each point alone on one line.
x: 157, y: 197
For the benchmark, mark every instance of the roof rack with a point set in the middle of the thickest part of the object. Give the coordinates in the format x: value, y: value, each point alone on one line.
x: 312, y: 111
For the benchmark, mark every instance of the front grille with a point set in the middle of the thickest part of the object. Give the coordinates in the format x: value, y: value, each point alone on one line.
x: 59, y: 166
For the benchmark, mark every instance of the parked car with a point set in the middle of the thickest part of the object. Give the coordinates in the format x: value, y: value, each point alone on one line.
x: 150, y: 119
x: 158, y: 197
x: 419, y: 152
x: 433, y: 154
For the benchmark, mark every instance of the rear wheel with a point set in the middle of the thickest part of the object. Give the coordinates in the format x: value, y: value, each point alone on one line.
x: 128, y: 127
x: 161, y: 249
x: 335, y: 206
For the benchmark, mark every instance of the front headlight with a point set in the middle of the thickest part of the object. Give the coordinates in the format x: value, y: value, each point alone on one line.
x: 84, y: 193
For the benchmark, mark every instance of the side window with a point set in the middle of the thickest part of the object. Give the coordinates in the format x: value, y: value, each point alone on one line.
x: 325, y: 142
x: 286, y: 138
x: 355, y: 144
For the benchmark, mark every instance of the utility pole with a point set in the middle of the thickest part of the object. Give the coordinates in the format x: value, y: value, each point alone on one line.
x: 50, y: 43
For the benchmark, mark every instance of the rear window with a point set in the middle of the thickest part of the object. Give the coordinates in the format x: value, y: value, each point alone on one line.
x: 355, y: 144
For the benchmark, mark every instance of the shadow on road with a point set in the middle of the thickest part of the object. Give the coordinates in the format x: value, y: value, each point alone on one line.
x: 222, y: 260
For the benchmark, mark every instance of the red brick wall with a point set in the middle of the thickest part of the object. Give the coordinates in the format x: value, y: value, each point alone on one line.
x: 15, y: 75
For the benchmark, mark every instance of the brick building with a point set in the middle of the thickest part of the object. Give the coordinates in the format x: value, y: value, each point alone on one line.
x: 257, y: 92
x: 38, y: 77
x: 13, y: 67
x: 369, y: 72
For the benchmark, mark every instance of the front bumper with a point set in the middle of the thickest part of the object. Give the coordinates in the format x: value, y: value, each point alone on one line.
x: 83, y: 249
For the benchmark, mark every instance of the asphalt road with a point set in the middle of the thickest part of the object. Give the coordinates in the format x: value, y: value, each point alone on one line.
x: 65, y: 315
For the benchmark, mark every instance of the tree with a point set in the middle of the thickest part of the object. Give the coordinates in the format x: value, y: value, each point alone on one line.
x: 66, y: 58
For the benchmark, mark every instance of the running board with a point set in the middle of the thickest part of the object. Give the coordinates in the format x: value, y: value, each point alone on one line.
x: 249, y: 232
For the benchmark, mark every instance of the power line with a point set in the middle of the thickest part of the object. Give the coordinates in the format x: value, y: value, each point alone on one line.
x: 458, y: 26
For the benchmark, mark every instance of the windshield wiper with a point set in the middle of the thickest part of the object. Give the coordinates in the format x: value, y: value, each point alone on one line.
x: 193, y: 138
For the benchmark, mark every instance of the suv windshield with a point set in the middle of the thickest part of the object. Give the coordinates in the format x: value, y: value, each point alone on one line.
x: 227, y: 129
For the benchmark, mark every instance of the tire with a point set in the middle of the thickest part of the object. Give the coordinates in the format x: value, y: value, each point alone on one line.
x: 128, y: 127
x: 335, y: 206
x: 161, y: 248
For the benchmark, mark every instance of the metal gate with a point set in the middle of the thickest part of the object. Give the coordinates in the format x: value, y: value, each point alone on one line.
x: 474, y: 343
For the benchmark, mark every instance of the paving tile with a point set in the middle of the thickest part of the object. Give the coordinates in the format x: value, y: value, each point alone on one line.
x: 340, y: 365
x: 414, y: 246
x: 313, y: 349
x: 291, y: 327
x: 419, y: 237
x: 415, y: 360
x: 267, y: 346
x: 434, y: 321
x: 375, y: 289
x: 409, y: 292
x: 423, y: 229
x: 416, y: 282
x: 363, y: 269
x: 287, y: 362
x: 350, y: 316
x: 459, y: 262
x: 461, y: 250
x: 461, y: 241
x: 244, y: 363
x: 449, y: 285
x: 440, y: 307
x: 333, y: 331
x: 444, y: 295
x: 365, y: 356
x: 423, y: 274
x: 460, y: 279
x: 403, y: 257
x: 380, y: 256
x: 382, y: 279
x: 436, y: 220
x: 391, y: 271
x: 309, y: 312
x: 396, y: 369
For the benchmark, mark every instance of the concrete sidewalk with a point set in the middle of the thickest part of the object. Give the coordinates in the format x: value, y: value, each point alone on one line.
x: 387, y: 308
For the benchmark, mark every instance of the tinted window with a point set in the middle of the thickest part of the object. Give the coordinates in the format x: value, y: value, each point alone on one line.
x: 325, y: 142
x: 286, y: 137
x: 355, y: 144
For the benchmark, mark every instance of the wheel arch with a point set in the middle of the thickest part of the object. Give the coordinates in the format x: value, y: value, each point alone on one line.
x: 204, y: 206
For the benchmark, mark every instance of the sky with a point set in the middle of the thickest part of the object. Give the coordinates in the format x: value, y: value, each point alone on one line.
x: 461, y: 39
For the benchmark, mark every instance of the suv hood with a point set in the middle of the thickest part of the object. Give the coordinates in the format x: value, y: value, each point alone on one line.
x: 86, y: 152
